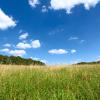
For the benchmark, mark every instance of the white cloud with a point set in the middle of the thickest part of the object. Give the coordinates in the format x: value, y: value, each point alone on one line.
x: 73, y: 38
x: 23, y: 36
x: 35, y: 44
x: 33, y: 3
x: 6, y: 50
x: 7, y: 45
x: 44, y: 9
x: 14, y: 52
x: 76, y: 38
x: 25, y: 45
x: 57, y: 51
x: 73, y: 51
x: 68, y: 5
x: 22, y: 45
x: 6, y: 21
x: 17, y: 52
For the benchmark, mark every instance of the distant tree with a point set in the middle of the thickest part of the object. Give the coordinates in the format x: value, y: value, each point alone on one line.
x: 82, y: 63
x: 18, y: 61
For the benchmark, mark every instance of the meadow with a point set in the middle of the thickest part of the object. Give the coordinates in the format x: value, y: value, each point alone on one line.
x: 68, y: 82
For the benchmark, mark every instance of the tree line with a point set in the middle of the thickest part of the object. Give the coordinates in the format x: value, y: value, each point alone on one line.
x: 12, y: 60
x: 95, y: 62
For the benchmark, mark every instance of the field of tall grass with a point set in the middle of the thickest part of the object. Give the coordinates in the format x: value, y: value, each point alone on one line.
x: 73, y: 82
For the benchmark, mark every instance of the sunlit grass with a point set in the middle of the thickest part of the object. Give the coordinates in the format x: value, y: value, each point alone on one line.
x: 67, y: 82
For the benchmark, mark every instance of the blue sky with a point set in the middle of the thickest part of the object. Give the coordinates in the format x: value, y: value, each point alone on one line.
x: 56, y: 32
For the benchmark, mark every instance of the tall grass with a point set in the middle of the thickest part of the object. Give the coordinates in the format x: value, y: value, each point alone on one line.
x: 50, y: 83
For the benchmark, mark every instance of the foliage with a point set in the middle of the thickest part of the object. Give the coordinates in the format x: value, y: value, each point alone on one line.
x: 12, y: 60
x: 96, y: 62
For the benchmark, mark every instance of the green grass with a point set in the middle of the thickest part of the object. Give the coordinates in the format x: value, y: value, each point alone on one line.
x: 81, y: 82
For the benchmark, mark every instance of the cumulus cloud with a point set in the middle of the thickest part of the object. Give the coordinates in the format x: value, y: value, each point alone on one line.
x: 73, y: 51
x: 35, y: 44
x: 62, y: 51
x: 22, y: 45
x: 57, y: 51
x: 25, y: 45
x: 33, y: 3
x: 7, y: 45
x: 44, y: 9
x: 14, y: 52
x: 6, y: 50
x: 68, y: 5
x: 17, y: 52
x: 23, y: 36
x: 6, y: 21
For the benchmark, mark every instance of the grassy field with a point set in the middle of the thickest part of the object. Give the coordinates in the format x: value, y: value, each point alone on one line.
x: 76, y: 82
